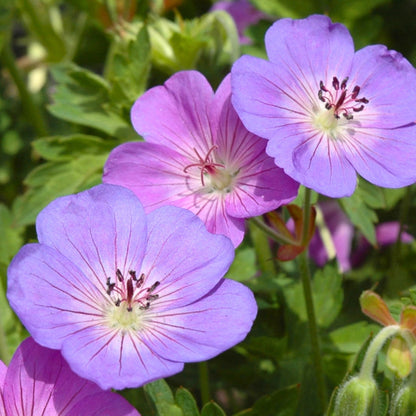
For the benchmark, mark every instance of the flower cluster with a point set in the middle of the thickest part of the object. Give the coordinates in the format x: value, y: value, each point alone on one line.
x: 126, y: 282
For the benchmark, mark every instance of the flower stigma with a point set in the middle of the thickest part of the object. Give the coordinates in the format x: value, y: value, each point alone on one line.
x: 215, y: 177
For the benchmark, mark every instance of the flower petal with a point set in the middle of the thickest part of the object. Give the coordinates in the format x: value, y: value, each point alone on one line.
x: 73, y: 225
x: 183, y: 256
x: 153, y: 172
x: 116, y: 359
x: 315, y: 48
x: 44, y: 285
x: 45, y: 382
x: 259, y: 186
x: 207, y: 327
x: 176, y: 114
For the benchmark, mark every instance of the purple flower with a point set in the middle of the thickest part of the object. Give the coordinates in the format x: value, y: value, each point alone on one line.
x: 38, y: 382
x: 329, y: 112
x: 127, y: 297
x: 243, y: 13
x: 198, y: 156
x: 342, y: 234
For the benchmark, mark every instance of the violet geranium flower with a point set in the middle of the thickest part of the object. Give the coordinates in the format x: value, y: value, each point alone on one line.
x: 127, y: 297
x: 198, y: 156
x: 38, y: 382
x: 329, y: 112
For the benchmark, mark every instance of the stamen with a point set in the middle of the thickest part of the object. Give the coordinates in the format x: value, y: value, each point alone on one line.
x: 339, y: 100
x: 206, y: 165
x: 130, y: 290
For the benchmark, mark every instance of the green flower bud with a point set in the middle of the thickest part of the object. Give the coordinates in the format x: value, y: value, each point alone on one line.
x: 404, y: 402
x: 357, y: 397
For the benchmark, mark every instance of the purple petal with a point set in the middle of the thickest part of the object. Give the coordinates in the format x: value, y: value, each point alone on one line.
x: 260, y: 186
x: 153, y: 172
x: 183, y: 256
x: 73, y: 225
x: 3, y: 372
x: 310, y: 50
x: 40, y: 382
x: 116, y: 359
x: 382, y: 74
x: 176, y: 114
x: 317, y: 162
x: 51, y: 296
x: 207, y: 327
x: 388, y: 232
x: 104, y: 403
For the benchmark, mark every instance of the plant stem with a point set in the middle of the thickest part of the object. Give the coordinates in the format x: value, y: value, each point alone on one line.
x: 275, y: 235
x: 377, y: 343
x: 306, y: 215
x: 204, y: 382
x: 313, y: 327
x: 261, y: 245
x: 34, y: 114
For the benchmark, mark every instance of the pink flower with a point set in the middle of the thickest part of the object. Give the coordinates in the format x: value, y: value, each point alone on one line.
x: 199, y: 156
x: 39, y: 382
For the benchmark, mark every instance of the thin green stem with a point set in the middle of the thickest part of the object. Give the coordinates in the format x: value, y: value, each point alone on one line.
x: 204, y: 382
x: 272, y: 233
x: 264, y: 255
x: 369, y: 361
x: 306, y: 215
x: 34, y: 114
x: 313, y: 327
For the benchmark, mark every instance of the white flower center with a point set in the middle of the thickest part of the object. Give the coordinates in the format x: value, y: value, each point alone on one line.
x: 119, y: 317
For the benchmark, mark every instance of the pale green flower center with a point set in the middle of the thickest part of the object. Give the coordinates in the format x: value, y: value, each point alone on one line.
x: 123, y: 319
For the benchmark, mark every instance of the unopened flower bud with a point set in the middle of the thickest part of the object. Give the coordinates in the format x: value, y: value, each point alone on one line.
x: 404, y: 402
x: 357, y: 397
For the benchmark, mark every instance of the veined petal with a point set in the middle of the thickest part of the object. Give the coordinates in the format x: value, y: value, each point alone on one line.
x: 73, y: 225
x: 259, y: 185
x: 42, y: 283
x: 103, y: 403
x: 176, y: 114
x: 183, y: 256
x: 387, y: 80
x: 35, y: 376
x: 311, y: 50
x: 153, y: 172
x: 382, y: 156
x: 116, y: 359
x: 202, y: 330
x: 40, y: 382
x: 317, y: 162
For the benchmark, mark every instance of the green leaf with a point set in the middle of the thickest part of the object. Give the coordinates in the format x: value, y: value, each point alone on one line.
x: 82, y: 97
x: 186, y: 402
x: 161, y: 395
x: 244, y: 265
x: 212, y: 409
x: 280, y: 403
x: 66, y: 148
x: 54, y: 179
x: 129, y: 68
x: 360, y: 215
x: 11, y: 235
x: 349, y: 10
x: 327, y: 296
x: 12, y: 332
x: 349, y: 339
x: 287, y: 8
